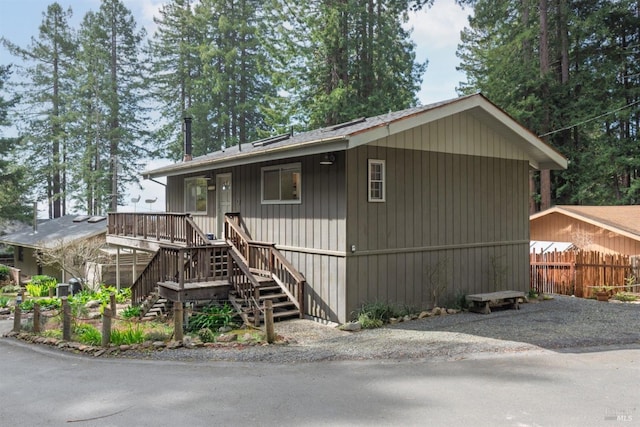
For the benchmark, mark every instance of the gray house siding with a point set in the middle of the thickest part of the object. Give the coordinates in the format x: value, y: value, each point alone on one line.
x: 460, y: 219
x: 311, y: 234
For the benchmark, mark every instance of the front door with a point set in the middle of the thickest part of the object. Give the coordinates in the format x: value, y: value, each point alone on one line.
x: 223, y: 200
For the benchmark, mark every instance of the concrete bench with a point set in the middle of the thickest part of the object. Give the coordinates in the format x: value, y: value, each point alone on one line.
x: 480, y: 302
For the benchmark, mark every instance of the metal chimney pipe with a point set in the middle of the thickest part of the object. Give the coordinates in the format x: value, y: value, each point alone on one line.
x: 187, y: 140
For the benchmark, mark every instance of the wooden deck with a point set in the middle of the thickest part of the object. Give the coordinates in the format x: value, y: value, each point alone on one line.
x: 192, y: 291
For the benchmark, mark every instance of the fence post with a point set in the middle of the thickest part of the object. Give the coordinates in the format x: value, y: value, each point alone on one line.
x: 17, y: 314
x: 268, y: 321
x: 106, y: 327
x: 66, y: 320
x: 114, y: 307
x: 178, y: 319
x: 36, y: 318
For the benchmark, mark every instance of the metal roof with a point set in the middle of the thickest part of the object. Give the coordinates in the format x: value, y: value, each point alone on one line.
x: 364, y: 130
x: 50, y: 233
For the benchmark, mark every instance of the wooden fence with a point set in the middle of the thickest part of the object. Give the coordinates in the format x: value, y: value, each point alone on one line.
x: 577, y: 272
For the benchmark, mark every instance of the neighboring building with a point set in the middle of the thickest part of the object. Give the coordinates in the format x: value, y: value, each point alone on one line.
x: 413, y: 207
x: 606, y: 229
x: 62, y: 232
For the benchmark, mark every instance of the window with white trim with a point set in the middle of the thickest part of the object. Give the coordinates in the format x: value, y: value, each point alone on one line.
x: 376, y: 180
x: 281, y: 184
x: 195, y: 195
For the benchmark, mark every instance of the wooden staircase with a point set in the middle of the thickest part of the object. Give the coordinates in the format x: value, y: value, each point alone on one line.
x: 187, y: 266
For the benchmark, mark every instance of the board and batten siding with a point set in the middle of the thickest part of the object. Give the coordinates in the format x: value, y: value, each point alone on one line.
x: 310, y: 234
x: 556, y: 227
x: 451, y: 224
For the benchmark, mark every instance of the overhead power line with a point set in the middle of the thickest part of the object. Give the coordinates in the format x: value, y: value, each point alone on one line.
x: 591, y: 119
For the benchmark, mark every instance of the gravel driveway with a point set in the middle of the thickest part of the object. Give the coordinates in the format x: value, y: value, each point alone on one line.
x: 562, y: 324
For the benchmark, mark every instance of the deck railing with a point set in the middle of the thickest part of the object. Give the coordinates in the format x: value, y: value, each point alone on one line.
x: 182, y: 265
x: 173, y: 228
x: 265, y: 258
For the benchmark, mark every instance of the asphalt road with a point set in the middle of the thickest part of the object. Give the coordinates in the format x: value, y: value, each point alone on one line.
x: 43, y: 387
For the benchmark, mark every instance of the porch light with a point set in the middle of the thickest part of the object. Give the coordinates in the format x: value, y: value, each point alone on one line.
x: 327, y: 159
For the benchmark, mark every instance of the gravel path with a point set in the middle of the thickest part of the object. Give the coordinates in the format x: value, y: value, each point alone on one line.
x: 561, y: 324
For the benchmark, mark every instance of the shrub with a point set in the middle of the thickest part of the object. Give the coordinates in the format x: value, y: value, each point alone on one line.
x: 4, y: 302
x: 27, y: 305
x: 206, y: 335
x: 5, y: 272
x: 49, y: 303
x: 623, y: 296
x: 375, y: 313
x: 212, y: 317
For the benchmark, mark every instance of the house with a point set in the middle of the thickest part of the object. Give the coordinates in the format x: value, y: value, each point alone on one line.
x: 606, y: 229
x: 413, y: 207
x: 61, y: 235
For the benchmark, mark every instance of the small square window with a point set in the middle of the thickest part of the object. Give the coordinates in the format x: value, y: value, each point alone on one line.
x: 376, y: 181
x: 281, y: 184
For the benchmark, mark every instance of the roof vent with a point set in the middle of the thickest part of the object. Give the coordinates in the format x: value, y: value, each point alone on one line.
x: 347, y: 124
x: 95, y: 219
x: 81, y: 218
x: 271, y: 140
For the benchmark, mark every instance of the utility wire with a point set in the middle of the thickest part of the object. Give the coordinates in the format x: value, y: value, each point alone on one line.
x: 591, y: 119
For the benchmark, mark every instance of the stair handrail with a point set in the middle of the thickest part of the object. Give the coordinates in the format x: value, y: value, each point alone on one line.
x: 239, y: 270
x: 195, y: 236
x: 148, y: 278
x: 290, y: 280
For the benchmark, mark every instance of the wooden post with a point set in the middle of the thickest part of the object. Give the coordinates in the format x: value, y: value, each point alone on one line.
x: 178, y: 319
x: 118, y: 267
x: 268, y: 321
x: 106, y: 327
x: 17, y: 314
x: 112, y: 301
x: 51, y: 290
x: 66, y: 320
x: 36, y: 318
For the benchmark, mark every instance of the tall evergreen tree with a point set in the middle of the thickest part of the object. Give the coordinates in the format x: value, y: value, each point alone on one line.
x: 46, y: 96
x: 15, y: 187
x: 360, y: 59
x: 110, y: 72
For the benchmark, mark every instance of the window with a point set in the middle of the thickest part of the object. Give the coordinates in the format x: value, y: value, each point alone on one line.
x: 376, y: 180
x: 195, y: 195
x: 281, y: 184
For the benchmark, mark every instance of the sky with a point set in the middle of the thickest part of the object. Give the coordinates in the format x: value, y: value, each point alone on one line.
x: 436, y: 32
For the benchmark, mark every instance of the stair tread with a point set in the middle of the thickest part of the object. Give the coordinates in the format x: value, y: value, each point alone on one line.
x: 295, y: 312
x: 271, y: 296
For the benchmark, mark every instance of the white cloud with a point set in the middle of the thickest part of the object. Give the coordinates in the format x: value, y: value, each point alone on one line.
x: 439, y: 26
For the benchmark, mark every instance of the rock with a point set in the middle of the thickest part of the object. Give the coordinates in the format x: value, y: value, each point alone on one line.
x: 247, y: 337
x: 92, y: 304
x: 5, y: 310
x: 174, y: 344
x: 452, y: 311
x: 158, y: 344
x: 225, y: 329
x: 227, y: 338
x: 436, y: 311
x: 124, y: 347
x: 424, y: 314
x: 406, y: 318
x: 394, y: 320
x: 351, y: 327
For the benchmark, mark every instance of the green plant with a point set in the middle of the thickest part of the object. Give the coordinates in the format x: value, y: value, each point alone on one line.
x: 5, y: 272
x: 461, y: 302
x: 624, y: 296
x: 212, y: 317
x: 39, y: 285
x: 88, y: 334
x: 376, y: 314
x: 131, y: 311
x: 533, y: 293
x: 4, y: 302
x: 10, y: 289
x: 27, y: 305
x: 49, y: 303
x: 206, y: 335
x: 131, y: 335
